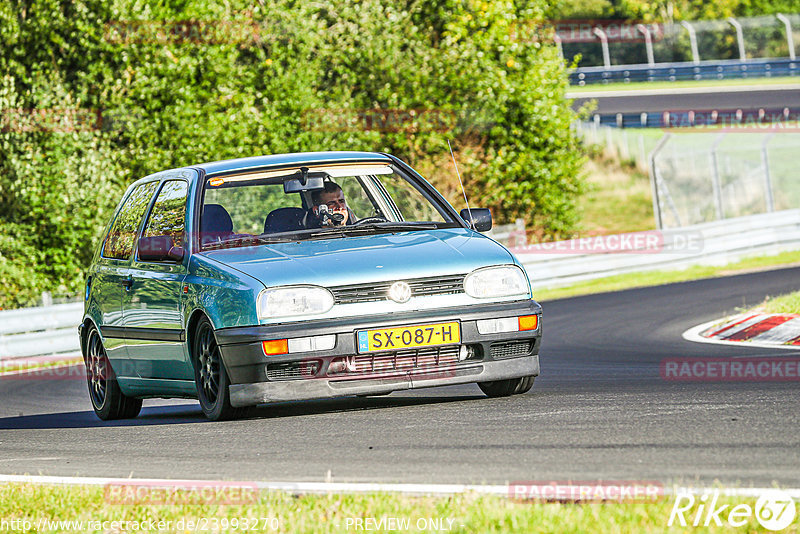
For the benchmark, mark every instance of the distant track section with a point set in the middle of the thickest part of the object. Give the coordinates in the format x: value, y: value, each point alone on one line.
x: 670, y: 72
x: 753, y: 105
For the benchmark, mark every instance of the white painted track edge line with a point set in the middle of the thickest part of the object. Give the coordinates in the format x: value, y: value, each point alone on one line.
x: 693, y: 334
x: 362, y: 487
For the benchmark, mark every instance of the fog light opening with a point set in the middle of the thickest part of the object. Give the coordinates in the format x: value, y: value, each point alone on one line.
x: 466, y: 352
x: 342, y: 365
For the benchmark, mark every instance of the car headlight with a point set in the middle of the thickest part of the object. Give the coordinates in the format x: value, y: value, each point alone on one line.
x: 293, y: 300
x: 503, y: 281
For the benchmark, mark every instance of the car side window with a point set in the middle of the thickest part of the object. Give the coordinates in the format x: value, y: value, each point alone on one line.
x: 168, y: 215
x: 119, y: 242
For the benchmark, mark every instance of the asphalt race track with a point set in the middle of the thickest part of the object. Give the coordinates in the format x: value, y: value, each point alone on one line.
x: 600, y: 410
x: 683, y: 99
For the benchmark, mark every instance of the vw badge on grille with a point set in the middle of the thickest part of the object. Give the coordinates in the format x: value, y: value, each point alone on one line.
x: 400, y: 292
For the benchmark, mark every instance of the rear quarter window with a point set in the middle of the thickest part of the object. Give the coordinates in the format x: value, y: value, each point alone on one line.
x: 118, y: 244
x: 169, y: 212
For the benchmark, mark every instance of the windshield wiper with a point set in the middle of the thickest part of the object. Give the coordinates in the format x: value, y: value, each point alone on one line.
x: 248, y: 240
x: 371, y: 228
x: 404, y: 225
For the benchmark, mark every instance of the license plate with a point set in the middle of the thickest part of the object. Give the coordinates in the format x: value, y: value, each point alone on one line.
x: 408, y: 337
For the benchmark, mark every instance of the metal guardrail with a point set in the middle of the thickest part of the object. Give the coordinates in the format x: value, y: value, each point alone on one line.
x: 740, y: 119
x: 510, y: 235
x: 688, y: 70
x: 40, y: 331
x: 715, y: 243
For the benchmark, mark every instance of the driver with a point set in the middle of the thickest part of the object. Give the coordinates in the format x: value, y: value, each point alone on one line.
x: 335, y: 211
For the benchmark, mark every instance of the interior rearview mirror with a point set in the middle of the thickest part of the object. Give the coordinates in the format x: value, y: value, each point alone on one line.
x: 305, y: 181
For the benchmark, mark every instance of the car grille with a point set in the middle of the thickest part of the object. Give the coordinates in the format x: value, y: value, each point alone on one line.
x: 292, y: 370
x: 405, y: 360
x: 378, y: 291
x: 512, y: 349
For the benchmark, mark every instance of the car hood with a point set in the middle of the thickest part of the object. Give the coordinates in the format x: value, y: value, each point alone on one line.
x: 365, y: 259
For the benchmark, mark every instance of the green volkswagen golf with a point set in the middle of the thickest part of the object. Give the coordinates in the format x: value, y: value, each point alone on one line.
x: 300, y: 276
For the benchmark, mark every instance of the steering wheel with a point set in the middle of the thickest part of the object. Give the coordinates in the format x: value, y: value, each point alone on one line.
x: 367, y: 220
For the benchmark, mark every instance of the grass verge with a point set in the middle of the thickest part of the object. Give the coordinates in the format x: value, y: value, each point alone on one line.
x: 789, y: 303
x: 655, y: 278
x: 282, y: 512
x: 617, y: 200
x: 638, y: 86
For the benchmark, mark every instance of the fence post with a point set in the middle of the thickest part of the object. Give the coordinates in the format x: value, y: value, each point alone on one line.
x: 610, y: 145
x: 521, y: 237
x: 642, y: 163
x: 557, y: 40
x: 626, y: 149
x: 604, y: 42
x: 654, y: 179
x: 789, y: 36
x: 692, y: 40
x: 648, y: 43
x: 767, y: 179
x: 739, y: 37
x: 715, y: 184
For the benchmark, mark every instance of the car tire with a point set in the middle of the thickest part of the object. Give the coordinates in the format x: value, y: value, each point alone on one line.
x: 108, y: 401
x: 210, y: 375
x: 504, y: 388
x: 525, y: 385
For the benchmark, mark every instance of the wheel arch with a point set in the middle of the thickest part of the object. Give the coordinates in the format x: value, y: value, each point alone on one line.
x: 88, y: 323
x: 191, y: 326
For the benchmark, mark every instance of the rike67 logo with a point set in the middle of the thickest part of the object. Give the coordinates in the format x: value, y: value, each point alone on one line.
x: 774, y: 510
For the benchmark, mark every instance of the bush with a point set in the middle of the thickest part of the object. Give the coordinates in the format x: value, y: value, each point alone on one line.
x: 279, y: 77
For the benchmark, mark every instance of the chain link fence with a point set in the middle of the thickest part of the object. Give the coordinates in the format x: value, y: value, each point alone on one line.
x: 708, y: 176
x: 703, y: 177
x: 606, y: 42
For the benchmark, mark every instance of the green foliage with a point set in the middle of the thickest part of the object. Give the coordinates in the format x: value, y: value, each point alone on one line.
x: 57, y: 190
x: 284, y: 76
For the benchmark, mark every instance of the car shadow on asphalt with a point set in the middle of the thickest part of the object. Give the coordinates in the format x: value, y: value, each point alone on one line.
x: 190, y: 413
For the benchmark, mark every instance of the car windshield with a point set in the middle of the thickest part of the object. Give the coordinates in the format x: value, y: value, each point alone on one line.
x: 331, y: 201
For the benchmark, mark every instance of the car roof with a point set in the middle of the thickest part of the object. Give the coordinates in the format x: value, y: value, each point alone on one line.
x: 256, y: 162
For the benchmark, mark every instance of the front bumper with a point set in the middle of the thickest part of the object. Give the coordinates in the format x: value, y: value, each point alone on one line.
x: 246, y: 363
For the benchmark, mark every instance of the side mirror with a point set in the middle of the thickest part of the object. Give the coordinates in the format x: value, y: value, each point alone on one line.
x: 479, y: 219
x: 160, y: 248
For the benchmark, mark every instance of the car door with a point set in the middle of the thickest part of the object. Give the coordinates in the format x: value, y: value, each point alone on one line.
x: 152, y: 317
x: 110, y: 277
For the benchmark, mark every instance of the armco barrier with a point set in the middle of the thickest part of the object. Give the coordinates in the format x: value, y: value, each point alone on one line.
x: 40, y: 331
x: 53, y: 329
x: 703, y: 70
x: 714, y: 243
